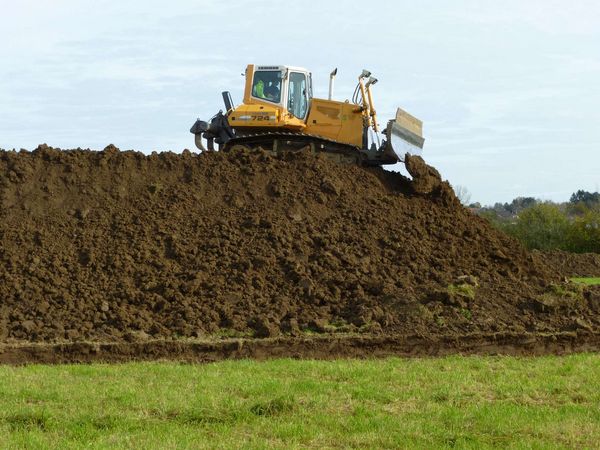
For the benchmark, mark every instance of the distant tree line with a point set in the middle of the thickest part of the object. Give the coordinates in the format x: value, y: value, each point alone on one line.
x: 572, y: 226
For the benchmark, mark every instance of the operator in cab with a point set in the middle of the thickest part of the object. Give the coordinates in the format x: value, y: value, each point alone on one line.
x: 267, y: 87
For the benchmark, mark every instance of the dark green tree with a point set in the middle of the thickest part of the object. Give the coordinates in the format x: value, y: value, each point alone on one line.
x: 520, y: 203
x: 588, y: 198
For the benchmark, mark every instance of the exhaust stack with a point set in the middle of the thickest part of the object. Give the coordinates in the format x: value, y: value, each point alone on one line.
x: 331, y: 77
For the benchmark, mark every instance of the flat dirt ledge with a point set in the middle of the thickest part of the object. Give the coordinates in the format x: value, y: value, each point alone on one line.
x: 309, y: 347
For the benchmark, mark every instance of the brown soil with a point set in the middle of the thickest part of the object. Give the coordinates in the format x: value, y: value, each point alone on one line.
x: 123, y: 249
x: 571, y: 264
x: 324, y: 346
x: 426, y: 179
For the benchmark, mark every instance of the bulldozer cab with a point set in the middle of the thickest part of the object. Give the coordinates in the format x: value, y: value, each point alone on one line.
x: 288, y: 87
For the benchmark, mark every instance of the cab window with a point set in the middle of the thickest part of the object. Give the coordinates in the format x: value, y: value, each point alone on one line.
x: 297, y: 95
x: 267, y: 85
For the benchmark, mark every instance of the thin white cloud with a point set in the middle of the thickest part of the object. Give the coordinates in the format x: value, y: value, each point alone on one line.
x: 548, y: 16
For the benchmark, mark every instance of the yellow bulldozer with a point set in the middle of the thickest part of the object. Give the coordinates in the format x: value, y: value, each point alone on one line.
x: 279, y: 113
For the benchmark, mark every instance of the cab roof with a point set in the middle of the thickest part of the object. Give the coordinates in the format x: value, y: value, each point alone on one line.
x: 264, y: 67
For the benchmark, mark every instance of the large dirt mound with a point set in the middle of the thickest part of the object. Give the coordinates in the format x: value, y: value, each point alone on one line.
x: 118, y: 246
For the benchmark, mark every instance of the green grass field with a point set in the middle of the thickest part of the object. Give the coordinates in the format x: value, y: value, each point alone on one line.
x: 473, y: 402
x: 589, y: 280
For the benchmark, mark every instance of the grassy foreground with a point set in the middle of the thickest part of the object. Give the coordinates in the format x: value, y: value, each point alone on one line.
x: 472, y: 402
x: 589, y: 280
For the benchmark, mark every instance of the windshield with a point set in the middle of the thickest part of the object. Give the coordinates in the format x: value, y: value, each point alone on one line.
x: 267, y: 85
x: 297, y: 102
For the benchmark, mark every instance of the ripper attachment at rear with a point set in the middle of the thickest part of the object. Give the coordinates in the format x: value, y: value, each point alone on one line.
x: 279, y: 113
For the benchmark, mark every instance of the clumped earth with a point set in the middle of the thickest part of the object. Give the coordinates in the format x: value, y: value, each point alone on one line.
x: 116, y: 246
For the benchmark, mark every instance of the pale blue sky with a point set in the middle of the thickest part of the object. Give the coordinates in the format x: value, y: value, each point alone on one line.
x: 509, y: 91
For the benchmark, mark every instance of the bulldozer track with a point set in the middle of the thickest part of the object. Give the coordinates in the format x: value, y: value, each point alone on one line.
x: 294, y: 141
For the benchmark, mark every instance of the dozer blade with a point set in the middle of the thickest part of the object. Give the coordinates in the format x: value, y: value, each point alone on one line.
x: 405, y: 135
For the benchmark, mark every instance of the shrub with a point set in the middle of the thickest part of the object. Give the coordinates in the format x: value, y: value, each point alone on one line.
x: 584, y: 235
x: 573, y: 227
x: 543, y: 226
